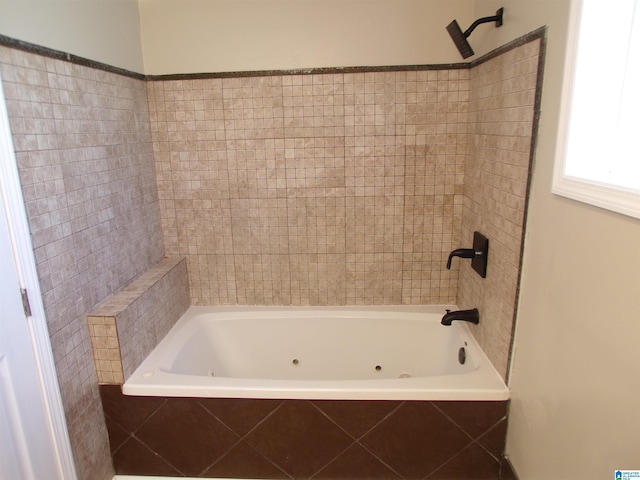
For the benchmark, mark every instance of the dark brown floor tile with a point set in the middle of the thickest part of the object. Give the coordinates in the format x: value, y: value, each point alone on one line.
x: 130, y: 412
x: 415, y: 440
x: 494, y: 439
x: 239, y: 414
x: 474, y: 417
x: 299, y: 439
x: 356, y: 463
x: 117, y: 434
x: 133, y: 458
x: 507, y: 472
x: 243, y: 461
x: 186, y: 435
x: 473, y: 463
x: 356, y: 416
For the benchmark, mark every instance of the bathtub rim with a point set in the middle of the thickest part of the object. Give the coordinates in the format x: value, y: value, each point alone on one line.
x: 483, y: 384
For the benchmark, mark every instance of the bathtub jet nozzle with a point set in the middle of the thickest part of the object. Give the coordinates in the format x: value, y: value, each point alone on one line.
x: 471, y: 316
x: 460, y: 38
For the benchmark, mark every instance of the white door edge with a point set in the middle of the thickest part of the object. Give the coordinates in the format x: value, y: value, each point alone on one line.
x: 19, y: 231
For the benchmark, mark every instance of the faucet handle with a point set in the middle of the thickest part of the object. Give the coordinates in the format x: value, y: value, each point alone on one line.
x: 478, y: 254
x: 462, y: 253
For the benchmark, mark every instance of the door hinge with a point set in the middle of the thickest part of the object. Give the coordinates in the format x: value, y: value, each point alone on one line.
x: 25, y: 302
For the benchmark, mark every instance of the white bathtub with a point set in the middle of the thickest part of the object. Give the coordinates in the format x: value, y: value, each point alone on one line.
x: 347, y: 353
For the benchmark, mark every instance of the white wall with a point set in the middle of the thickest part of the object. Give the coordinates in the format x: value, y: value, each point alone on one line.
x: 106, y: 31
x: 576, y: 376
x: 193, y: 36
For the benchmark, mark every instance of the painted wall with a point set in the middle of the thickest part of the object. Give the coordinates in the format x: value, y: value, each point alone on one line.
x: 244, y: 35
x: 239, y: 34
x: 104, y: 31
x: 575, y: 373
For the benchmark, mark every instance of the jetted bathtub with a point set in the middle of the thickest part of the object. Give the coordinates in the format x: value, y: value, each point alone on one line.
x: 319, y: 353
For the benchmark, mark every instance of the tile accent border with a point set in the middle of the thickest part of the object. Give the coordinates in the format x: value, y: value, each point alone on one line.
x: 66, y: 57
x: 541, y: 34
x: 129, y: 324
x: 310, y: 71
x: 59, y: 55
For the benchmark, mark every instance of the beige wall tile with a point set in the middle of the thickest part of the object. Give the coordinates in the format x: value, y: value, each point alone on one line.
x: 501, y: 108
x: 313, y: 189
x: 85, y: 158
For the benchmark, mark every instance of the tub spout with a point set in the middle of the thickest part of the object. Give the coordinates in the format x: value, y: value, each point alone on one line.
x: 472, y: 316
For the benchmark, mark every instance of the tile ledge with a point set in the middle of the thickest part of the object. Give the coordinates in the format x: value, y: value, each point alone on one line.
x: 116, y: 303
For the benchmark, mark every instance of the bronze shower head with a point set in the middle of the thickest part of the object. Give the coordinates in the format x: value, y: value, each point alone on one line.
x: 460, y: 38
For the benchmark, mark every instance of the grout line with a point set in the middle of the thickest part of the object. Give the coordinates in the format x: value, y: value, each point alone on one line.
x: 497, y: 459
x: 243, y: 439
x: 454, y: 422
x: 354, y: 441
x: 374, y: 427
x: 433, y: 473
x: 133, y: 434
x: 220, y: 457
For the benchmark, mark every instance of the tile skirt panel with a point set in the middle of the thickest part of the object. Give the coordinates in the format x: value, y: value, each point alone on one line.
x: 301, y: 439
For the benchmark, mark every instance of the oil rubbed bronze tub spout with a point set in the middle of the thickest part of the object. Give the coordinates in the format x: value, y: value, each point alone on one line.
x: 471, y: 316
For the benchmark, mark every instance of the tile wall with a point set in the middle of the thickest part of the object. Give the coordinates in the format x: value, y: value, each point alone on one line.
x: 85, y: 159
x: 351, y: 188
x: 326, y: 189
x: 502, y: 109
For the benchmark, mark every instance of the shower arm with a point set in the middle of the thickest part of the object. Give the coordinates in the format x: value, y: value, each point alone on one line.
x: 495, y: 18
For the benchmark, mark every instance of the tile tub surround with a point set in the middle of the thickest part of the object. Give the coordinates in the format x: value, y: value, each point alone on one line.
x: 352, y: 188
x: 322, y: 189
x: 129, y: 324
x: 244, y: 438
x: 85, y: 158
x: 502, y: 119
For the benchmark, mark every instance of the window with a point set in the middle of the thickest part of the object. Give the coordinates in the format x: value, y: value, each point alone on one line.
x: 598, y: 158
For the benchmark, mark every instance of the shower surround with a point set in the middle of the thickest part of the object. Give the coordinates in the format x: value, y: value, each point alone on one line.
x: 322, y: 189
x: 351, y: 188
x: 331, y: 188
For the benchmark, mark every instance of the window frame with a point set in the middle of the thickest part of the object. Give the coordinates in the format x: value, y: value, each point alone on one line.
x: 604, y: 195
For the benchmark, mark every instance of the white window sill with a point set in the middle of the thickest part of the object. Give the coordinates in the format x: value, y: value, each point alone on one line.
x: 617, y: 199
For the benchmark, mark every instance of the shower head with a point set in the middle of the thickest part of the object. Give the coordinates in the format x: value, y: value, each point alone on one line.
x: 460, y: 38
